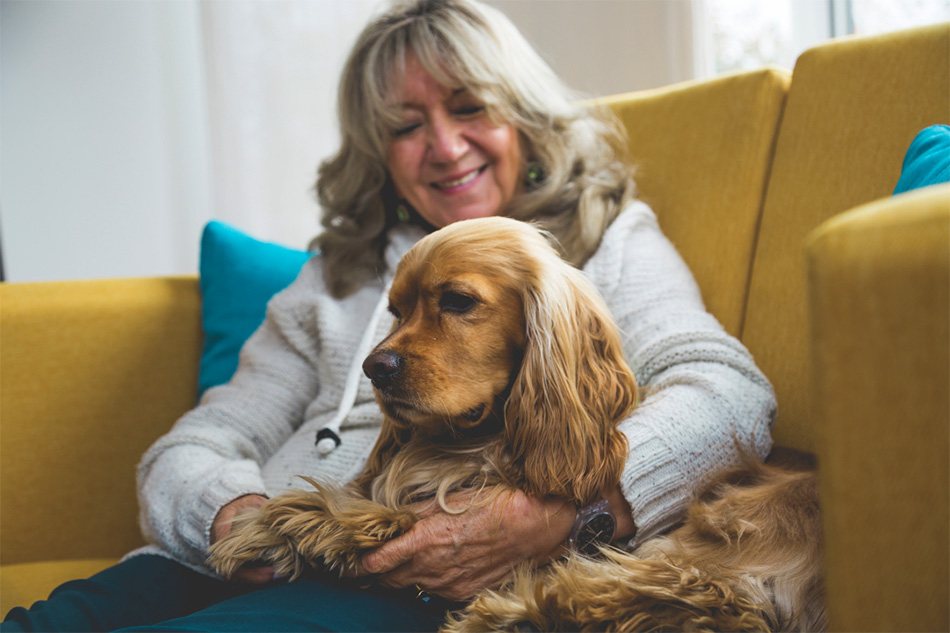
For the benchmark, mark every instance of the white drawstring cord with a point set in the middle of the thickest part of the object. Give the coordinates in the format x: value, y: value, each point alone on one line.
x: 328, y: 437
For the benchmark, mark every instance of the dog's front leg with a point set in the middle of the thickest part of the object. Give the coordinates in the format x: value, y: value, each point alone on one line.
x: 326, y: 527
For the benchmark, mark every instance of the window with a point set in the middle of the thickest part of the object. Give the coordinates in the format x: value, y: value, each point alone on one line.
x: 868, y: 17
x: 734, y: 35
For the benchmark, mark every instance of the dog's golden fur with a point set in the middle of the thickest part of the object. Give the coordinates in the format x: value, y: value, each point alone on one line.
x: 504, y: 370
x: 512, y: 375
x: 747, y: 558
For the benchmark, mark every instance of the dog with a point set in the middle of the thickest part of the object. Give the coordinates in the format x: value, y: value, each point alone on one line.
x: 504, y: 370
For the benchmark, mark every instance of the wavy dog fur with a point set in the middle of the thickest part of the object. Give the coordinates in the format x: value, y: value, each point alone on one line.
x: 511, y: 375
x: 505, y: 370
x: 747, y: 558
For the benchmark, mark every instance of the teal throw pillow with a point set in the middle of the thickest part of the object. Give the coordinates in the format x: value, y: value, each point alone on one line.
x: 927, y: 161
x: 239, y: 275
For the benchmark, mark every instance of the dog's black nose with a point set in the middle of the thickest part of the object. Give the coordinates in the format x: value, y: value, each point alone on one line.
x: 381, y: 367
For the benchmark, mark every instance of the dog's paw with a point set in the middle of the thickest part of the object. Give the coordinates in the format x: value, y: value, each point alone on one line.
x: 253, y: 541
x: 357, y: 526
x: 373, y: 528
x: 288, y: 532
x: 326, y: 527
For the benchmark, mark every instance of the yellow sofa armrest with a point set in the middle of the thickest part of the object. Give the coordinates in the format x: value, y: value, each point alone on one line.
x: 879, y: 289
x: 91, y: 373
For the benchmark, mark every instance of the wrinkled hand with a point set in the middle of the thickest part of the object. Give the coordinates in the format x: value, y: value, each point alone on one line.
x: 457, y: 555
x: 221, y: 527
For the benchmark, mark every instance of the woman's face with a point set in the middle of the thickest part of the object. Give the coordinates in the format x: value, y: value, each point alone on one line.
x: 448, y: 159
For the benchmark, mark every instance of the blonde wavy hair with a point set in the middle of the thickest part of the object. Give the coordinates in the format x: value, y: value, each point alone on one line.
x: 584, y: 182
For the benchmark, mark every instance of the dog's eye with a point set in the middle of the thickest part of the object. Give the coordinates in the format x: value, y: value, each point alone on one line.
x: 456, y: 302
x: 393, y: 311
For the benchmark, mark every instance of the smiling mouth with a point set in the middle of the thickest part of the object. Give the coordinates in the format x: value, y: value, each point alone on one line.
x: 458, y: 182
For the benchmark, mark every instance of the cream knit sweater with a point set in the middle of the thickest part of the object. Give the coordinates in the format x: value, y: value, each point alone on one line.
x: 707, y: 403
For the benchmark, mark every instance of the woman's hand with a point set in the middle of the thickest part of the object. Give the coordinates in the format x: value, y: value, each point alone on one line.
x: 221, y: 527
x: 457, y: 555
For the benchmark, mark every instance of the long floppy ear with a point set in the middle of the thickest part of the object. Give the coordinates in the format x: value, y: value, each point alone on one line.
x: 573, y: 389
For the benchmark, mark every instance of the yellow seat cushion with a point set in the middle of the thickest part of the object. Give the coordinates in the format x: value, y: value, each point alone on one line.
x: 23, y: 584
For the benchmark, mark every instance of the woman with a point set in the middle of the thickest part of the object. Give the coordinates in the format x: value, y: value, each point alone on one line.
x: 446, y: 113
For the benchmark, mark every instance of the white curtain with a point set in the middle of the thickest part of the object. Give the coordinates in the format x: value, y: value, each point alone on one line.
x: 272, y: 69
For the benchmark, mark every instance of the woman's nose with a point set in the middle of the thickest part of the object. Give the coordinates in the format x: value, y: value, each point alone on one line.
x: 447, y: 142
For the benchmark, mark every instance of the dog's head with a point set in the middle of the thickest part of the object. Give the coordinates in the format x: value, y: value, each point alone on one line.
x: 496, y: 334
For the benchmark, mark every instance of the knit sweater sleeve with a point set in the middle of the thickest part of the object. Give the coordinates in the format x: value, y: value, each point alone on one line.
x: 706, y: 406
x: 214, y: 453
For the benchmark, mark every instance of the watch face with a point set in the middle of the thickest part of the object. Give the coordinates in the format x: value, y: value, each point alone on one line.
x: 599, y: 529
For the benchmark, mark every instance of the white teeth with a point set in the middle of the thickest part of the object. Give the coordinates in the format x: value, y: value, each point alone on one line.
x: 460, y: 181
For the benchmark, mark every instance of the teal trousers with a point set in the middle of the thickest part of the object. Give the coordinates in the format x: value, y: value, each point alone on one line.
x: 152, y: 593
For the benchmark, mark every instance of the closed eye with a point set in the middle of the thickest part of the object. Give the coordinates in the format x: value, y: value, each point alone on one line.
x: 406, y: 129
x: 393, y: 311
x: 456, y: 302
x: 469, y: 110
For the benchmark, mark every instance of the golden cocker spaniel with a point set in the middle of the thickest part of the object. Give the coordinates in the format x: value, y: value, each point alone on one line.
x: 505, y: 370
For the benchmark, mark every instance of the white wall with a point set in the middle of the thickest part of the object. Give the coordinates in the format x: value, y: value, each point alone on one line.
x: 603, y: 47
x: 103, y: 161
x: 125, y: 126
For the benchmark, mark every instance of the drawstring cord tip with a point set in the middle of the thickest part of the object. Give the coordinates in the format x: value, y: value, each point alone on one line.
x: 327, y: 441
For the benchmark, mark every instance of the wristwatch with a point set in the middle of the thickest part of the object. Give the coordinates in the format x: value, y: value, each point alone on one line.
x: 594, y: 525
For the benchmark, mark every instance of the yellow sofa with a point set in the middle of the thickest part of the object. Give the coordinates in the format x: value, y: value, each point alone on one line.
x: 756, y: 178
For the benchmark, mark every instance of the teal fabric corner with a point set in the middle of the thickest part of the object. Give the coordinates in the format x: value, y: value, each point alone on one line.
x: 238, y: 275
x: 927, y: 161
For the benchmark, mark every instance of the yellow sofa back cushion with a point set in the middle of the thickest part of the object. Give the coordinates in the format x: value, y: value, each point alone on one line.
x: 853, y: 109
x: 702, y: 152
